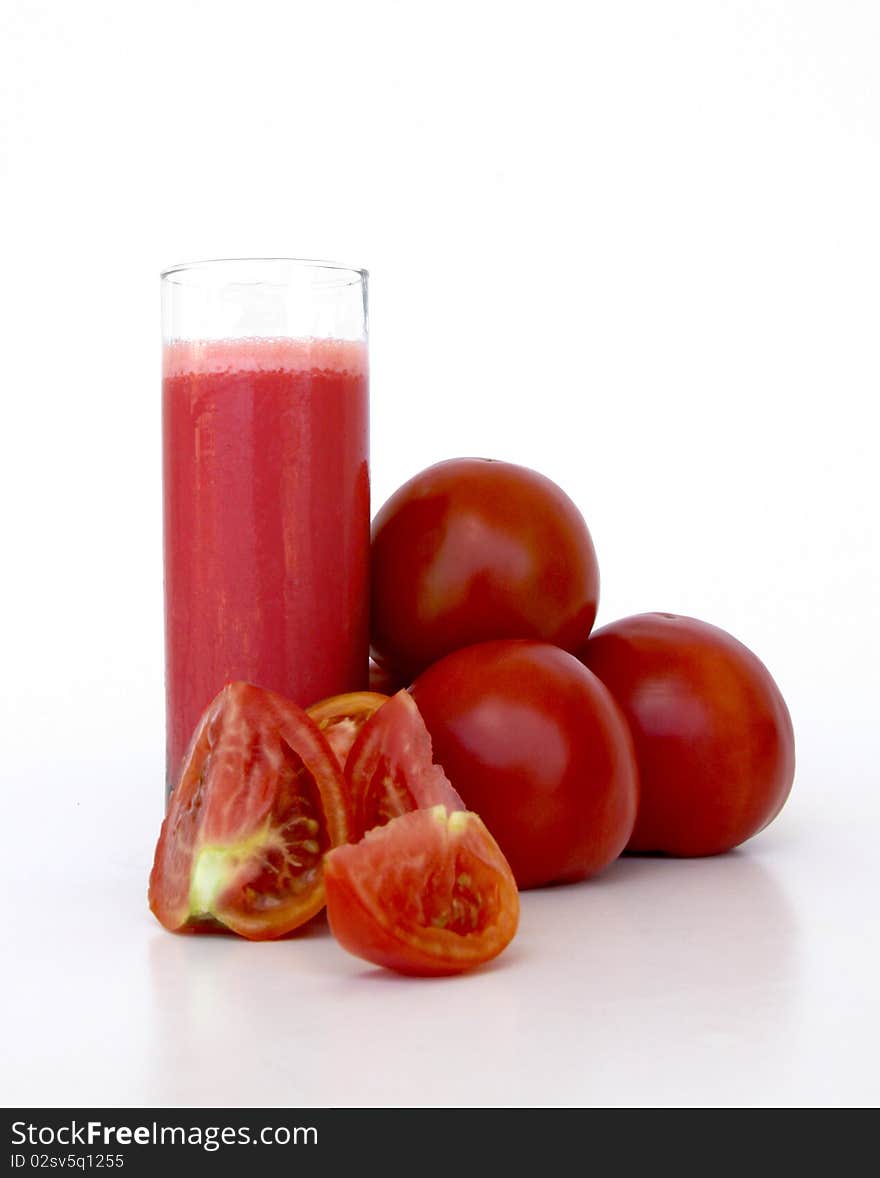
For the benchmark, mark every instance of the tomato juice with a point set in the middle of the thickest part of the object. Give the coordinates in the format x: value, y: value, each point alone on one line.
x: 267, y: 522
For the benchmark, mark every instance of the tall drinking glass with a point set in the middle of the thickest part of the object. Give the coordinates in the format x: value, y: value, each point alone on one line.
x: 266, y: 483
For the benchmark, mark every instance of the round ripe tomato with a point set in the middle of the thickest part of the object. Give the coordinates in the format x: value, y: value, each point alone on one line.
x: 390, y: 769
x: 259, y: 801
x: 341, y: 717
x: 713, y: 736
x: 537, y: 746
x: 471, y: 550
x: 428, y: 894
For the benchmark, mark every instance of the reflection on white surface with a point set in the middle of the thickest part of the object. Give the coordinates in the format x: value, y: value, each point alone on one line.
x: 745, y: 979
x: 656, y: 961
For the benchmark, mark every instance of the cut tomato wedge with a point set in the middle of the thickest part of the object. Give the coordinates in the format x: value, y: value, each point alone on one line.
x: 390, y: 769
x: 259, y: 801
x: 341, y: 717
x: 428, y: 894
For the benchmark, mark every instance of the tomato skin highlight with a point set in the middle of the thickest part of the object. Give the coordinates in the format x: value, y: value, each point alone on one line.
x: 537, y: 746
x: 390, y: 769
x: 471, y: 550
x: 341, y: 717
x: 713, y: 736
x: 259, y: 800
x: 429, y: 894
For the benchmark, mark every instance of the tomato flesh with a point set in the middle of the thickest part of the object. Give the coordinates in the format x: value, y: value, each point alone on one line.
x: 390, y: 769
x: 428, y: 894
x: 259, y: 801
x: 341, y: 717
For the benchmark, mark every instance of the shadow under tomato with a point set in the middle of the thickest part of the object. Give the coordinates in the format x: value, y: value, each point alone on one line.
x: 510, y: 957
x: 614, y: 874
x: 318, y: 926
x: 632, y: 865
x: 723, y: 924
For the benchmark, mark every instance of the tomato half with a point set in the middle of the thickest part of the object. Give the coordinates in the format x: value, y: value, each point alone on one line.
x: 713, y: 736
x: 341, y: 717
x: 428, y: 894
x: 390, y: 769
x: 471, y: 550
x: 538, y: 747
x: 259, y: 801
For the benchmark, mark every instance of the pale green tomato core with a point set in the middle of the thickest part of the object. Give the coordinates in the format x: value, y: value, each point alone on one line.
x: 213, y: 869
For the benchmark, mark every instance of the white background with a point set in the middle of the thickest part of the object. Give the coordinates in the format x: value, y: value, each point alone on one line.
x: 634, y: 245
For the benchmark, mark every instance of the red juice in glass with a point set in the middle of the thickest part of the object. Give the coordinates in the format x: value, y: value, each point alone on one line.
x: 267, y: 518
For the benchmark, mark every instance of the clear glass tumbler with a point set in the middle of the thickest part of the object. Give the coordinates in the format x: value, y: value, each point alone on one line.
x: 266, y: 482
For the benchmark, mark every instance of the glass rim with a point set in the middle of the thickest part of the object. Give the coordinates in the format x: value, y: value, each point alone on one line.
x: 359, y: 275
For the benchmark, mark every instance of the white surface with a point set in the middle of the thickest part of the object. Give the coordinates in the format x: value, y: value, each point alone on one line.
x: 745, y: 979
x: 633, y: 245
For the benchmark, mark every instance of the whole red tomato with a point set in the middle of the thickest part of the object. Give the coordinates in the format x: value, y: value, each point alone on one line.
x: 713, y: 736
x: 536, y: 745
x: 471, y: 550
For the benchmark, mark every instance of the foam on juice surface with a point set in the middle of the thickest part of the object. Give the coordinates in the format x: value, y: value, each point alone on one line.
x: 200, y: 357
